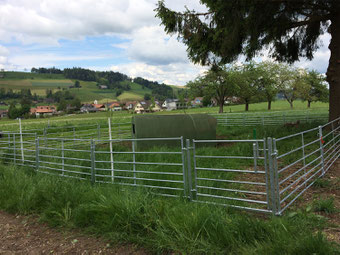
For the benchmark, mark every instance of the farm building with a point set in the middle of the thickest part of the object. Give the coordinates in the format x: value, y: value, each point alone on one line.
x: 44, y: 110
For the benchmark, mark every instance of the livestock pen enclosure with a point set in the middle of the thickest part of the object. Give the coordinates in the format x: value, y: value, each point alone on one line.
x: 74, y: 173
x: 258, y: 162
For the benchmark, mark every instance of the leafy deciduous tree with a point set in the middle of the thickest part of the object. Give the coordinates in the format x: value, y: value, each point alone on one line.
x: 217, y: 84
x: 291, y: 29
x: 314, y: 88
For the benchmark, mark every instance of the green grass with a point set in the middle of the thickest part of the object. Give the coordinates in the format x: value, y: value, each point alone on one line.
x: 158, y: 224
x: 163, y: 225
x: 279, y: 105
x: 324, y: 205
x: 38, y: 83
x: 322, y: 183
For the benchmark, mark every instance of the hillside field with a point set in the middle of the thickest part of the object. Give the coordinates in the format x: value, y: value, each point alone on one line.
x: 39, y: 83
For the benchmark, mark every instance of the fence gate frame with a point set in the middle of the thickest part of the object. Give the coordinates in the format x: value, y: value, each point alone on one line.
x: 268, y: 158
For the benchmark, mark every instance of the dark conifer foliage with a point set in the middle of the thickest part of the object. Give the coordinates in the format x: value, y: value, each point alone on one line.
x: 289, y: 28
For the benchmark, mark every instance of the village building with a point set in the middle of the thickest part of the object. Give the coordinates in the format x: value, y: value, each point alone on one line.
x: 170, y: 104
x: 100, y: 107
x: 88, y: 108
x: 3, y: 113
x: 130, y: 105
x: 114, y: 106
x: 139, y: 108
x: 43, y: 110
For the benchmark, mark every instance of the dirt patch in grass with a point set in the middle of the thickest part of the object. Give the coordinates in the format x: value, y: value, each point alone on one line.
x: 25, y: 235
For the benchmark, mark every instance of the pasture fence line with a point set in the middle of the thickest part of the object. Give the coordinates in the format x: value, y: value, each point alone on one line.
x: 263, y: 175
x: 268, y: 119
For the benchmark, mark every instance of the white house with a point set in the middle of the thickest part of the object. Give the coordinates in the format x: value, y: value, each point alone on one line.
x: 170, y: 104
x: 139, y: 108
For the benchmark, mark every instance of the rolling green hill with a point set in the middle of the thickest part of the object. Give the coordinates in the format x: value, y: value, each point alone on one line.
x: 39, y: 83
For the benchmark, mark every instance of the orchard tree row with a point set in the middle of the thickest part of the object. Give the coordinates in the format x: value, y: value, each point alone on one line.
x: 255, y: 82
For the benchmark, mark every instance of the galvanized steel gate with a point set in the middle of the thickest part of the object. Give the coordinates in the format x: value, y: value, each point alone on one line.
x: 242, y: 179
x: 263, y: 175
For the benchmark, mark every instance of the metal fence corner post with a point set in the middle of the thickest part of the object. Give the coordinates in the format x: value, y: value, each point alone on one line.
x: 271, y: 176
x: 276, y: 178
x: 37, y: 154
x: 93, y: 170
x: 194, y: 183
x: 183, y: 148
x: 321, y: 151
x: 189, y: 176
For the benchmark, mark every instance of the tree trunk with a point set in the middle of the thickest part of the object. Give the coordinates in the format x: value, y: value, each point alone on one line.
x: 247, y: 106
x: 308, y: 105
x: 221, y: 107
x: 291, y: 104
x: 333, y: 71
x: 269, y: 105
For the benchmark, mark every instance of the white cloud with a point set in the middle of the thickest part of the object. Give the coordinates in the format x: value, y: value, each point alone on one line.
x: 154, y: 55
x: 48, y: 59
x: 47, y: 21
x: 152, y: 46
x: 4, y: 52
x: 173, y: 74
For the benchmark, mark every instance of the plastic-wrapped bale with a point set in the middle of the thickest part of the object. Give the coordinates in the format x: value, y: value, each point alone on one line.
x: 190, y: 126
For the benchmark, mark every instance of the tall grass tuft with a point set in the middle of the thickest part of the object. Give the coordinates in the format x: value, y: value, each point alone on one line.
x: 159, y: 224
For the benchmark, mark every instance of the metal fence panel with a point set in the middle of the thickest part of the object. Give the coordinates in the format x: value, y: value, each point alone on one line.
x: 232, y: 176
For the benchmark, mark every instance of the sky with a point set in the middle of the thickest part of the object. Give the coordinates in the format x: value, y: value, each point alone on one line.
x: 117, y: 35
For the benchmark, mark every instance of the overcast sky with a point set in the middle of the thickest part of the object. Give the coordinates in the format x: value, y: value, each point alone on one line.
x: 118, y: 35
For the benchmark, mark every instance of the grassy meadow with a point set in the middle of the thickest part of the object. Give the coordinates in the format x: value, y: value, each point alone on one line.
x: 160, y: 224
x: 39, y: 83
x: 278, y: 106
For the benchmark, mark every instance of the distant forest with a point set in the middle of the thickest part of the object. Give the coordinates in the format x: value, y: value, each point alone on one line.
x: 113, y: 80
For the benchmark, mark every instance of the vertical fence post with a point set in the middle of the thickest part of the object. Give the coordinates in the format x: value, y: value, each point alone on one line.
x: 134, y: 162
x: 93, y: 166
x: 183, y: 166
x: 321, y: 151
x: 194, y: 183
x: 255, y: 157
x: 45, y: 136
x: 271, y: 176
x: 98, y: 131
x: 9, y: 143
x: 37, y: 154
x: 265, y: 155
x: 276, y: 178
x: 111, y: 151
x: 62, y: 157
x: 189, y: 178
x: 14, y: 151
x: 21, y: 143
